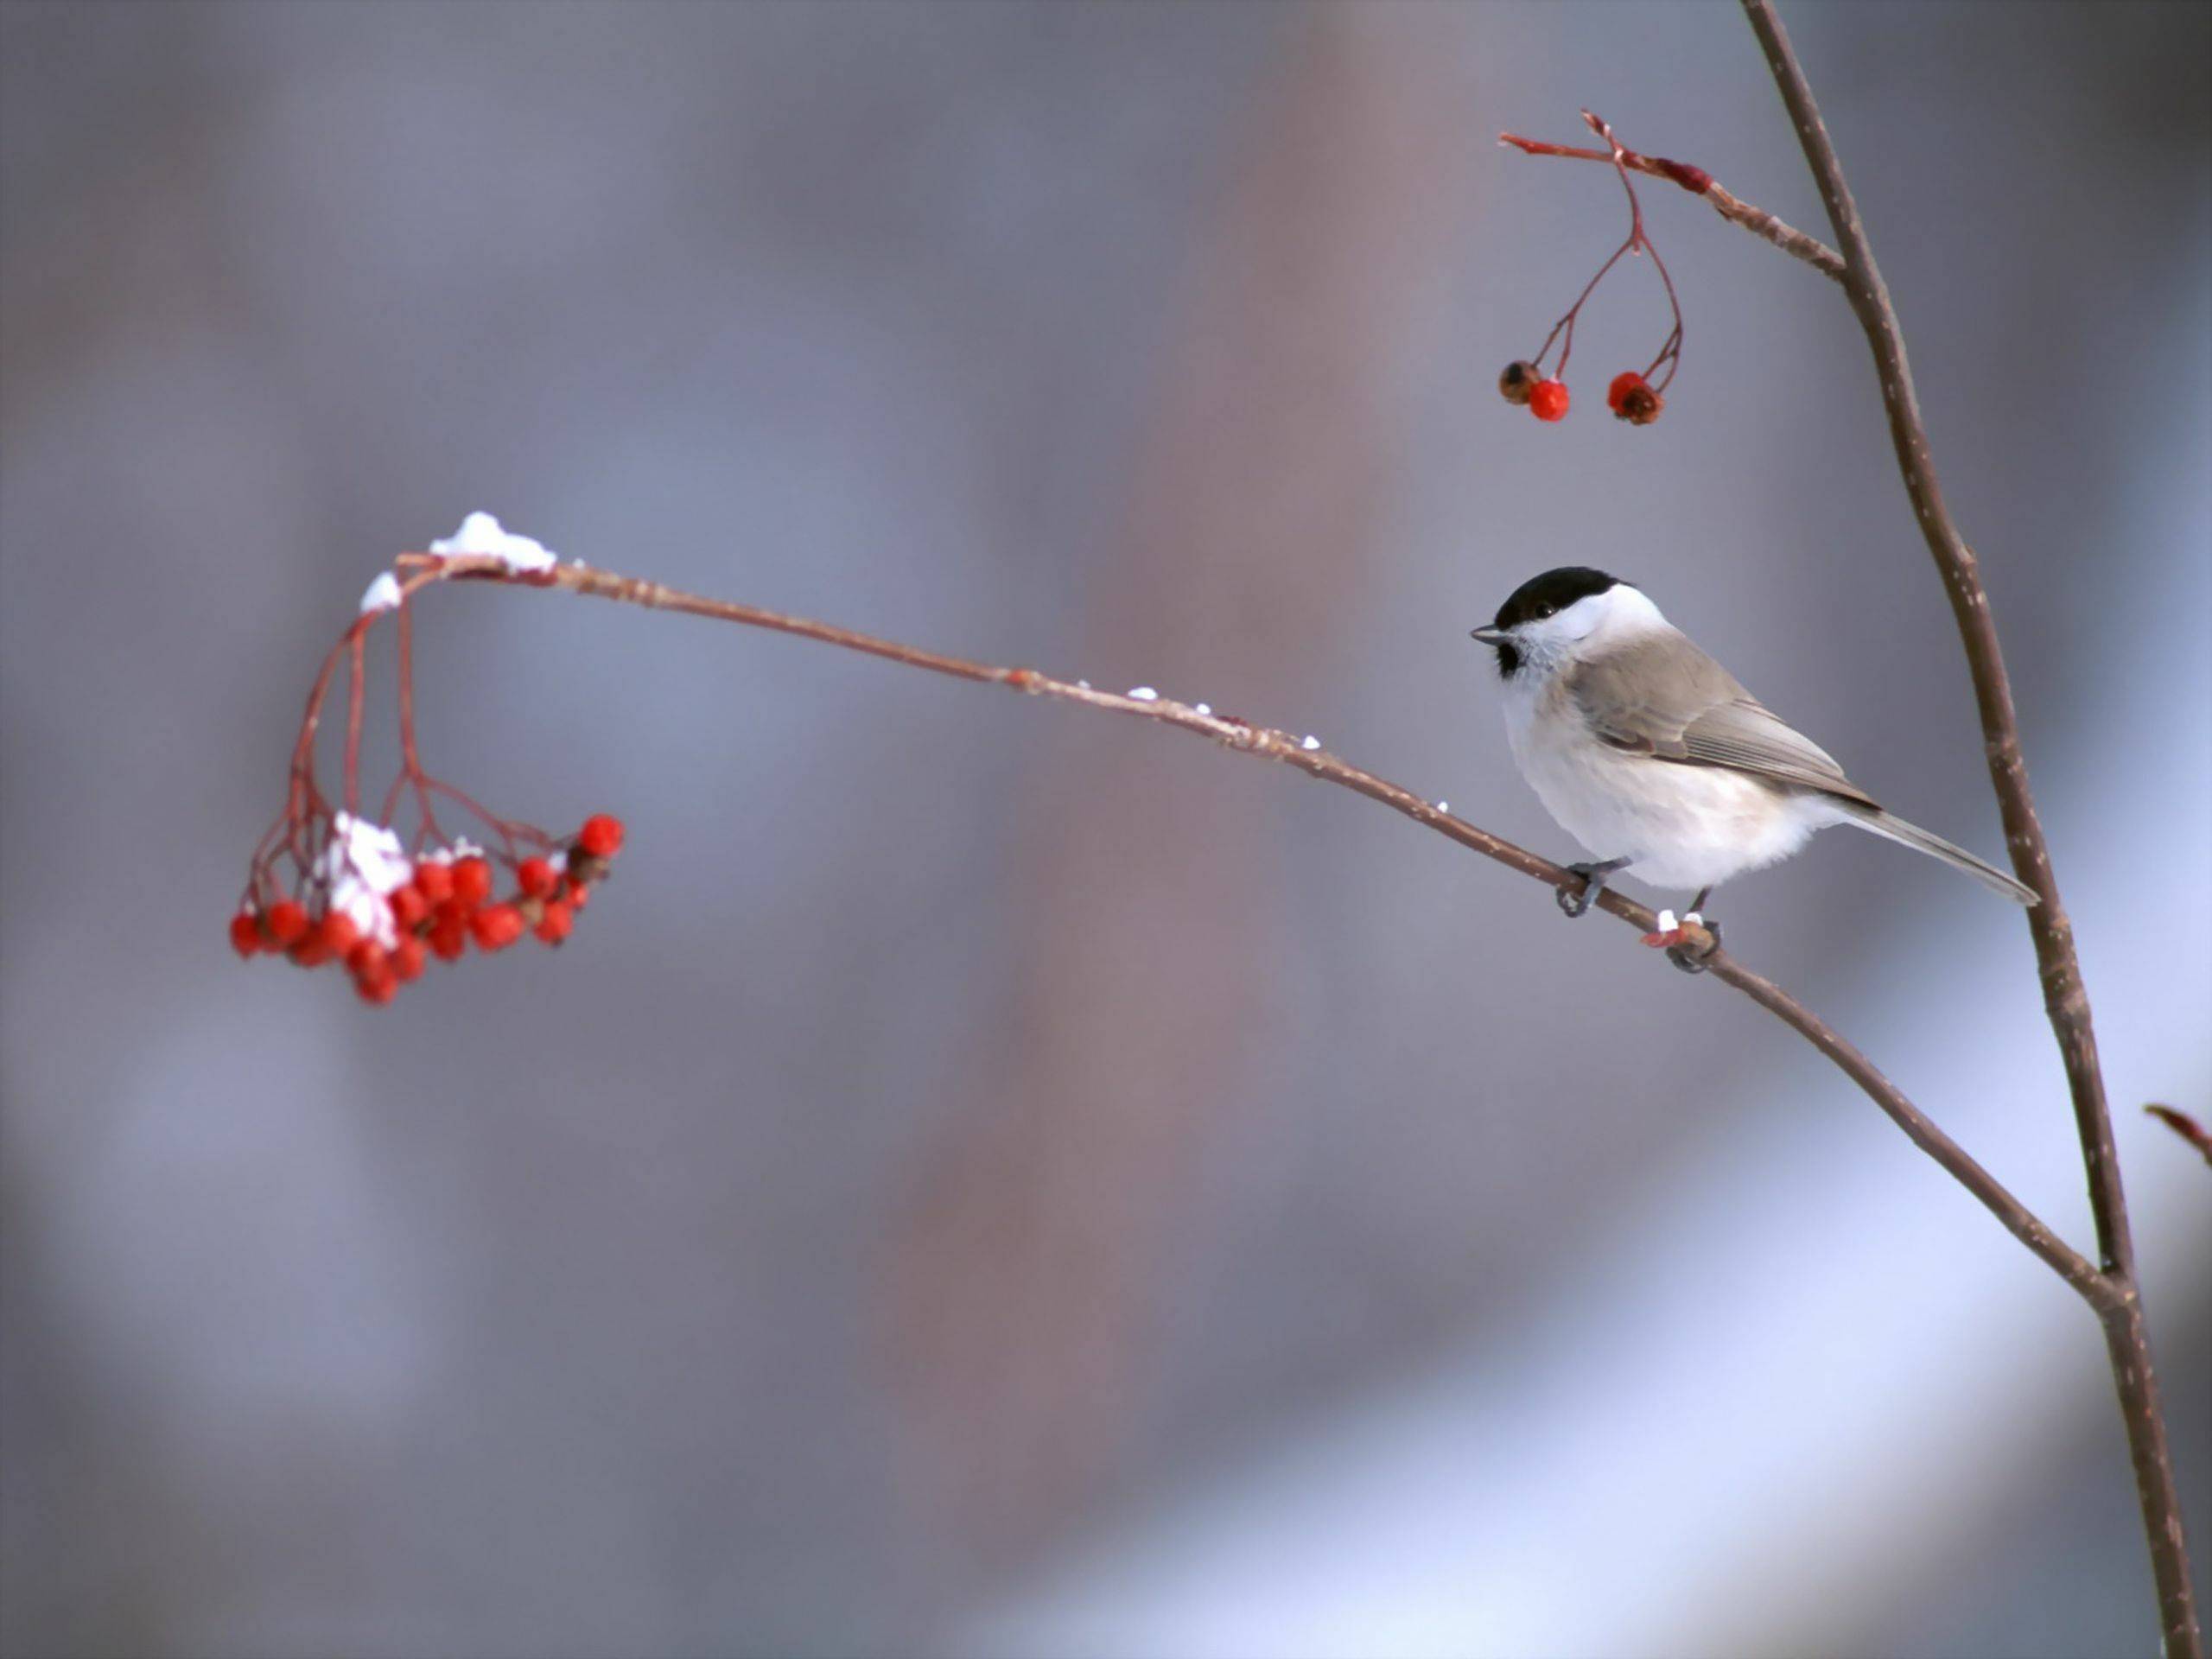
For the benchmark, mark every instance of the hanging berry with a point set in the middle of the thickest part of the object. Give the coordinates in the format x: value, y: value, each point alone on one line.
x: 601, y: 835
x: 1634, y: 397
x: 554, y: 925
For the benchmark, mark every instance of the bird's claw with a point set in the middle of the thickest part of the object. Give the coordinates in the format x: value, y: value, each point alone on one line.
x: 1689, y: 944
x: 1578, y: 902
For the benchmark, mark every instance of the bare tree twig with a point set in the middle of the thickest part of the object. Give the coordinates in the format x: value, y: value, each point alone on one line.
x: 2065, y: 999
x: 1699, y: 182
x: 2184, y: 1126
x: 1306, y: 755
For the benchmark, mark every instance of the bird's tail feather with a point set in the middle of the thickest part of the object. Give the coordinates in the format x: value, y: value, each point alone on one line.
x: 1893, y: 828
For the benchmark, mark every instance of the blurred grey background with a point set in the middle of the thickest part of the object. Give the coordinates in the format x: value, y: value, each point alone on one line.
x: 987, y: 1179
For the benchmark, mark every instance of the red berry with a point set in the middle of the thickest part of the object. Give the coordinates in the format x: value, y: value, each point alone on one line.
x: 536, y: 877
x: 579, y: 894
x: 335, y: 934
x: 407, y: 960
x: 554, y: 925
x: 472, y: 880
x: 1624, y: 382
x: 449, y: 937
x: 434, y: 882
x: 601, y: 835
x: 287, y: 922
x: 379, y: 989
x: 245, y: 933
x: 1548, y: 400
x: 496, y: 926
x: 408, y: 907
x: 367, y: 960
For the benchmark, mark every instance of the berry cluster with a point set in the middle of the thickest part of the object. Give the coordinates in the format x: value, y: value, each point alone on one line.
x: 383, y: 915
x: 333, y: 881
x: 1633, y: 396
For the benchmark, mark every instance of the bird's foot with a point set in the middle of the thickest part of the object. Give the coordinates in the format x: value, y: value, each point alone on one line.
x: 1578, y: 902
x: 1689, y: 942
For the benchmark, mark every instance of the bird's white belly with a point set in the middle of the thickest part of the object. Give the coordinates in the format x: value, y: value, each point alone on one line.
x: 1681, y: 826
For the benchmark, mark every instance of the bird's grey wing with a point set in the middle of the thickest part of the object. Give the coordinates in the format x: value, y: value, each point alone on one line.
x: 1666, y: 699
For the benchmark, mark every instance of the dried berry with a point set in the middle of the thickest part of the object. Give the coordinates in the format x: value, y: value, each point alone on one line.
x: 1517, y: 381
x: 1642, y: 406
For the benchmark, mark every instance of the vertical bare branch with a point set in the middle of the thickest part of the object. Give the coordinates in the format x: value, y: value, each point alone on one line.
x: 2065, y: 998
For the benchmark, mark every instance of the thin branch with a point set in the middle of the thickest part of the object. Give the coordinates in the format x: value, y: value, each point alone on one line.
x: 2065, y: 999
x: 1307, y: 756
x: 1699, y: 182
x: 2184, y: 1126
x: 1637, y: 242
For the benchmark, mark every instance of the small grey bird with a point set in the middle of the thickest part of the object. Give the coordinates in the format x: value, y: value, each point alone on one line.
x: 1651, y: 755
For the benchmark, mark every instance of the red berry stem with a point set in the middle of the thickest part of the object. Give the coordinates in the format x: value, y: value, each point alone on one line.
x: 1660, y: 370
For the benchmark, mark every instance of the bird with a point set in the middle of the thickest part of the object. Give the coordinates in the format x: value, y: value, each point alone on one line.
x: 1658, y: 760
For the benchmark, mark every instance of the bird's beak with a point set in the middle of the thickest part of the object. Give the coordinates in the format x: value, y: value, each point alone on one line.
x: 1490, y: 636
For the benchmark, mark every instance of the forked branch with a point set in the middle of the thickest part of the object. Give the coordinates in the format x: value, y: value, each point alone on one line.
x: 1850, y: 264
x: 1699, y: 182
x: 2065, y: 1000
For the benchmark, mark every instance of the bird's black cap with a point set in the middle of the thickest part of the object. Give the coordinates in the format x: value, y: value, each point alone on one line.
x: 1554, y: 590
x: 1536, y: 598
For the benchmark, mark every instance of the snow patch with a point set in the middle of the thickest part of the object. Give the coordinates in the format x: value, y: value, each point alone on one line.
x: 383, y: 594
x: 365, y: 863
x: 480, y: 533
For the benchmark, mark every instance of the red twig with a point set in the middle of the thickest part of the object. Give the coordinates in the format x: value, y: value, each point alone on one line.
x: 1699, y: 182
x: 304, y: 831
x: 2184, y: 1126
x: 1637, y: 242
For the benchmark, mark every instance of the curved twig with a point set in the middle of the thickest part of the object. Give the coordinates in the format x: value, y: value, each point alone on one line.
x: 1306, y: 755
